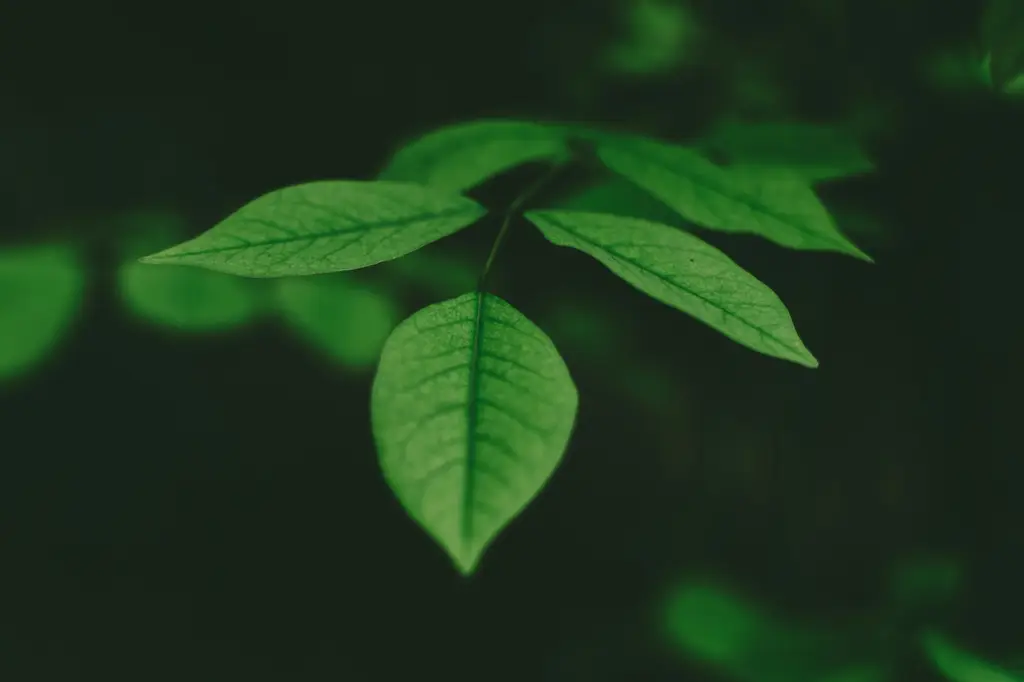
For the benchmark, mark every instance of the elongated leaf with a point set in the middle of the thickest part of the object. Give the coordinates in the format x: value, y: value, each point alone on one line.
x: 40, y: 292
x: 744, y: 643
x: 472, y: 409
x: 684, y: 272
x: 813, y: 152
x: 458, y: 157
x: 778, y: 206
x: 959, y: 665
x: 187, y: 299
x: 346, y: 321
x: 327, y: 226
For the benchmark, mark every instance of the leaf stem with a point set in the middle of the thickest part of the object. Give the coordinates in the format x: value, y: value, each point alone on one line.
x: 510, y: 214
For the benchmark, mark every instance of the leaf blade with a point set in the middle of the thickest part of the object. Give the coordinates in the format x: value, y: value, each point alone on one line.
x: 458, y: 157
x: 707, y: 285
x: 463, y: 446
x: 325, y: 226
x: 778, y: 206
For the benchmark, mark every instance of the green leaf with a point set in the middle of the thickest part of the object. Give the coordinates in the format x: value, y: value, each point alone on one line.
x: 778, y: 206
x: 327, y: 226
x: 458, y: 157
x: 344, y: 320
x: 472, y: 409
x: 744, y: 643
x: 684, y: 272
x: 813, y: 152
x: 187, y: 299
x: 41, y: 290
x: 959, y: 665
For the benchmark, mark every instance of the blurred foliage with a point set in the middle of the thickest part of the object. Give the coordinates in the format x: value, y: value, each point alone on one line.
x: 958, y: 665
x: 343, y: 319
x: 41, y: 291
x: 814, y: 152
x: 175, y: 297
x: 659, y: 35
x: 741, y: 641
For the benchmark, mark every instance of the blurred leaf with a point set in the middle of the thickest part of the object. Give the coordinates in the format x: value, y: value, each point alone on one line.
x: 813, y: 152
x: 618, y: 196
x: 778, y: 206
x: 461, y: 156
x: 472, y: 409
x: 41, y: 290
x: 1002, y: 35
x: 925, y: 580
x: 742, y: 642
x: 344, y: 320
x: 959, y: 665
x: 187, y: 299
x: 658, y: 34
x: 685, y: 273
x: 321, y: 227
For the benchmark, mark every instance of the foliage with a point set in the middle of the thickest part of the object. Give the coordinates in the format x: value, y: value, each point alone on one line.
x: 472, y: 406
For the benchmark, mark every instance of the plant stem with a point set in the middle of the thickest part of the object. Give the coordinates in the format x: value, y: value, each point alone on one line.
x: 510, y: 214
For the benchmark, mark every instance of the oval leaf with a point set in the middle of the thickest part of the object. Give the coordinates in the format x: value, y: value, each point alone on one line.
x: 40, y: 292
x: 461, y: 156
x: 814, y: 152
x: 327, y: 226
x: 187, y: 299
x: 684, y: 272
x: 472, y: 409
x: 348, y: 322
x: 959, y: 665
x: 776, y: 205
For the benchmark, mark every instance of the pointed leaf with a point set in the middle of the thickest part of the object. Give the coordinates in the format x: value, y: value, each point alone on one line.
x: 472, y: 409
x: 813, y: 152
x: 461, y: 156
x: 346, y: 321
x: 40, y: 292
x: 959, y: 665
x: 779, y: 206
x: 684, y: 272
x: 327, y: 226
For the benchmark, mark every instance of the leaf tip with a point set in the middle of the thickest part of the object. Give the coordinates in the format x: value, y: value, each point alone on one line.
x: 466, y: 561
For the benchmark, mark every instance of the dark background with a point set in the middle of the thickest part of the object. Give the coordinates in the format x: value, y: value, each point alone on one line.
x: 212, y: 509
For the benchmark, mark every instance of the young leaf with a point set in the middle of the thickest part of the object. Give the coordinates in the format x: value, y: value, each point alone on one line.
x: 187, y: 299
x: 958, y: 665
x: 779, y: 206
x: 684, y: 272
x: 472, y: 409
x: 326, y: 226
x: 813, y: 152
x: 461, y: 156
x: 348, y: 322
x: 40, y: 292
